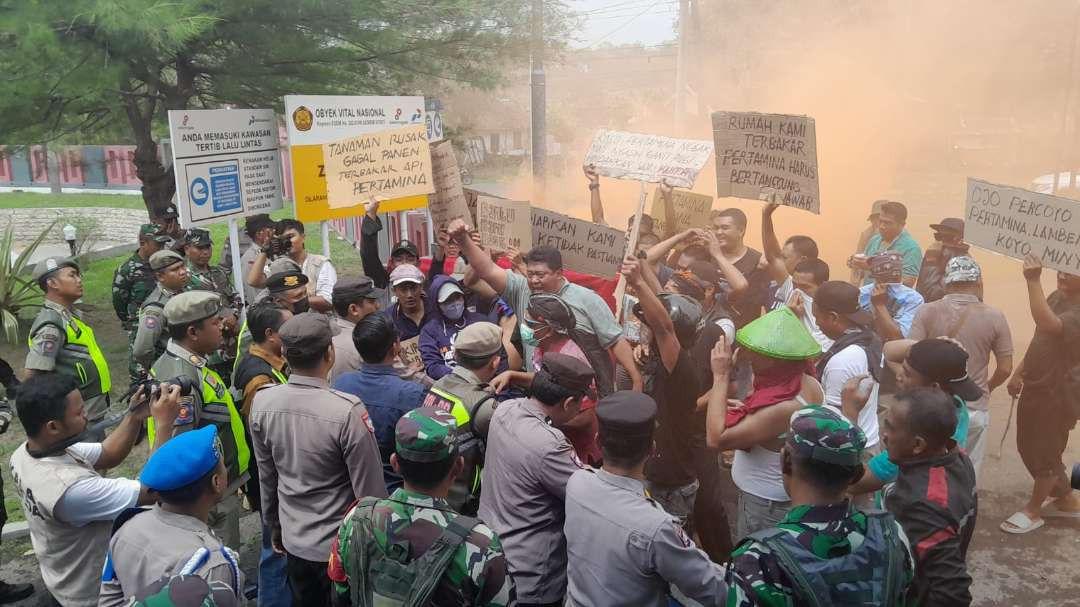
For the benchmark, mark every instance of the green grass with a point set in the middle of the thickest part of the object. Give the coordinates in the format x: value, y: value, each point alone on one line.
x: 98, y: 313
x: 31, y: 200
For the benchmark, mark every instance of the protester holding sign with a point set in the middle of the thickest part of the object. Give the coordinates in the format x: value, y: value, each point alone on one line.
x: 597, y: 206
x: 544, y: 269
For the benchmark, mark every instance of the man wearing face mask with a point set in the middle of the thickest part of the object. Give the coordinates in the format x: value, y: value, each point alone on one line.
x: 439, y: 333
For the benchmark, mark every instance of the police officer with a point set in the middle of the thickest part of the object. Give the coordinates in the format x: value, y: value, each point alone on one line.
x: 287, y: 286
x: 528, y: 462
x: 61, y: 342
x: 464, y: 393
x: 622, y: 548
x: 380, y: 539
x: 194, y: 333
x: 149, y: 338
x: 189, y: 476
x: 198, y: 249
x: 823, y: 540
x: 134, y: 280
x: 317, y: 454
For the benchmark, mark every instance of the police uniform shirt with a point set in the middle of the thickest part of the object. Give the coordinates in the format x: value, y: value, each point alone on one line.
x: 623, y: 549
x: 316, y: 453
x: 155, y: 542
x: 346, y: 358
x: 46, y: 344
x: 527, y: 465
x: 152, y: 324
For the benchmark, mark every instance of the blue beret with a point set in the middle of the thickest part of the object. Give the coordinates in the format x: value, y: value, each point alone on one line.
x: 182, y: 460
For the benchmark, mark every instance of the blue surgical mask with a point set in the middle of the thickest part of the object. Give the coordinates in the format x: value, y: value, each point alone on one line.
x: 528, y: 336
x: 452, y: 310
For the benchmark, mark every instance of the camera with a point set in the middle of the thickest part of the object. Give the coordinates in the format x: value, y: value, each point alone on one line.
x: 152, y: 387
x: 278, y: 246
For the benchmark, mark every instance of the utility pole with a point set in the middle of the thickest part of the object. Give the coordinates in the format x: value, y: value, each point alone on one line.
x: 1068, y: 122
x: 539, y: 101
x: 681, y: 67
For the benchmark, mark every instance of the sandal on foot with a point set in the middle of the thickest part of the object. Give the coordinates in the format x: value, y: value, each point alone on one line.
x: 1019, y: 523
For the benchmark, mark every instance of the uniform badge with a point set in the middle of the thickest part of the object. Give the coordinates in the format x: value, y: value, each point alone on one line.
x: 48, y: 345
x: 291, y: 281
x: 185, y: 415
x: 367, y: 422
x: 150, y: 322
x: 577, y: 460
x: 195, y: 360
x: 683, y: 537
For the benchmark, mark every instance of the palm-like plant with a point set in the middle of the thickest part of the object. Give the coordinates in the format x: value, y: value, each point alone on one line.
x: 16, y: 292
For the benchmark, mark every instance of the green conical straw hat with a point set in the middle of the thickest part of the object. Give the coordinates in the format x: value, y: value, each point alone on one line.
x: 779, y: 334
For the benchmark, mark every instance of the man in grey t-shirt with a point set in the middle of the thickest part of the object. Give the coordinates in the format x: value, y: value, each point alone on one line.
x: 545, y: 275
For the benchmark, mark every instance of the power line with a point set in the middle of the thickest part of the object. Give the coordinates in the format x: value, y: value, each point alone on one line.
x: 628, y: 22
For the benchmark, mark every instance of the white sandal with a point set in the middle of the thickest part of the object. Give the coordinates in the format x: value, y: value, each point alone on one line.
x: 1020, y: 524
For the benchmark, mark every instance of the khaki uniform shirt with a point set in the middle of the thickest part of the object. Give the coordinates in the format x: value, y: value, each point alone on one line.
x: 151, y: 335
x: 526, y: 468
x: 157, y: 542
x: 623, y: 549
x: 316, y: 454
x: 346, y: 358
x: 45, y: 345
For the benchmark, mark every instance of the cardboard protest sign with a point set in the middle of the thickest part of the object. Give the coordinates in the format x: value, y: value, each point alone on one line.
x: 586, y: 247
x: 448, y: 202
x: 226, y: 162
x: 410, y: 353
x: 313, y: 120
x: 381, y: 165
x: 504, y: 223
x: 651, y: 158
x: 1016, y: 222
x: 762, y: 156
x: 691, y: 211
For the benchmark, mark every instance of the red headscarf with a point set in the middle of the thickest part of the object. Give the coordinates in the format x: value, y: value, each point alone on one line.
x: 780, y: 382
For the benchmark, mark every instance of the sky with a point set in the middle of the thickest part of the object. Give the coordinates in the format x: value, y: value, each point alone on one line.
x: 645, y: 22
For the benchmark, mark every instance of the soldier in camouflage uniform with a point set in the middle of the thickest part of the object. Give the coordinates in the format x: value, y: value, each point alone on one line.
x: 149, y: 338
x: 369, y: 561
x: 199, y: 248
x: 824, y: 538
x: 134, y: 280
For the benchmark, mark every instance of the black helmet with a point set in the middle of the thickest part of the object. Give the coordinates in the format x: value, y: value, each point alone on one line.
x: 685, y: 315
x: 551, y: 310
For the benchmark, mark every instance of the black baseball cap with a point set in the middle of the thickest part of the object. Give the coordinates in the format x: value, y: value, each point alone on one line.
x: 569, y: 373
x: 954, y: 224
x: 351, y: 289
x: 944, y: 362
x: 843, y: 298
x: 405, y: 246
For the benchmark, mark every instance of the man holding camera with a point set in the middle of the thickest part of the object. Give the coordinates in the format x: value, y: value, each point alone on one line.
x: 69, y: 506
x: 319, y: 270
x: 194, y: 334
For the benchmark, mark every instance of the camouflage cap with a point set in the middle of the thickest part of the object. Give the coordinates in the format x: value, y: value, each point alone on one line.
x: 426, y: 435
x: 152, y: 231
x: 823, y: 434
x: 198, y: 237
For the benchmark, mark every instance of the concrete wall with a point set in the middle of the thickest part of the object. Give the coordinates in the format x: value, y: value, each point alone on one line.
x: 100, y: 225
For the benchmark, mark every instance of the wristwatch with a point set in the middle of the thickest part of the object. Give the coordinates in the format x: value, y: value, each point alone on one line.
x: 594, y: 186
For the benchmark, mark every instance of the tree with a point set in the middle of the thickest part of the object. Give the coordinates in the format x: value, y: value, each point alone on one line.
x: 84, y: 66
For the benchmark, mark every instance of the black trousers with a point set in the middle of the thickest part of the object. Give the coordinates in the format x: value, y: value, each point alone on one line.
x: 308, y: 582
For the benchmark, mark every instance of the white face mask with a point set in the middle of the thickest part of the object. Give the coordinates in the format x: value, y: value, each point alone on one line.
x: 453, y: 310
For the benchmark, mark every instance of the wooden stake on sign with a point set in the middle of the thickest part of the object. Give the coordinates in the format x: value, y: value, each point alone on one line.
x: 631, y: 246
x: 234, y: 251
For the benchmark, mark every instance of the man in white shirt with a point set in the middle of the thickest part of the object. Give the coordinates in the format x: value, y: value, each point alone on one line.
x: 319, y: 270
x: 68, y: 505
x: 856, y: 351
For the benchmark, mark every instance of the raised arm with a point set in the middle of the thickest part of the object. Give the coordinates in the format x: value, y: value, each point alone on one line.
x: 595, y: 205
x: 738, y: 283
x: 670, y: 227
x: 656, y: 316
x: 256, y: 276
x: 479, y: 260
x: 369, y: 247
x: 1045, y: 319
x: 886, y: 327
x: 770, y: 244
x: 659, y: 251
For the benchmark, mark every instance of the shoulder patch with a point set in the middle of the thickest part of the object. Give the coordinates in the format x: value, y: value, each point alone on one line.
x: 186, y: 413
x: 367, y: 422
x: 150, y: 321
x: 577, y: 460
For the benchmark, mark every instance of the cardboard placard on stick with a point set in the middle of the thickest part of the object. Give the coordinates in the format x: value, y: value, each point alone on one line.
x: 504, y: 223
x: 448, y: 202
x: 586, y: 247
x: 382, y: 165
x: 1016, y: 222
x: 651, y: 158
x: 691, y: 211
x: 767, y: 157
x: 410, y: 353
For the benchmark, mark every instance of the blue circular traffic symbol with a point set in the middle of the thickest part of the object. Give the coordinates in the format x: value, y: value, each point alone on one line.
x: 199, y: 191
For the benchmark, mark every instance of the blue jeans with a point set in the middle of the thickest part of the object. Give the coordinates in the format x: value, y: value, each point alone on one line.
x: 273, y: 584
